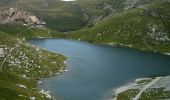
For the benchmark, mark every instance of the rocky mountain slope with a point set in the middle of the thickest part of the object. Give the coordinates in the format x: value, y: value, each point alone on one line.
x: 22, y: 67
x: 14, y: 16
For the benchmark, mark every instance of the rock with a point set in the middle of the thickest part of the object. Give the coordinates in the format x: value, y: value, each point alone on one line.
x: 11, y: 11
x: 32, y: 98
x: 65, y: 70
x: 13, y: 15
x: 2, y: 53
x: 40, y: 82
x: 22, y: 86
x: 34, y: 19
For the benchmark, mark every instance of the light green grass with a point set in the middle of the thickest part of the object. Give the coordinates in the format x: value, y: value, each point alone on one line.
x: 128, y: 95
x: 155, y: 93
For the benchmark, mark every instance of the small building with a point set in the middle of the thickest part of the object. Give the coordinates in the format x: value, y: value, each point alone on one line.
x: 2, y: 53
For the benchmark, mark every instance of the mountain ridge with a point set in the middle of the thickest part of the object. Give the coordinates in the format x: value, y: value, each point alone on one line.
x: 72, y: 16
x: 144, y: 27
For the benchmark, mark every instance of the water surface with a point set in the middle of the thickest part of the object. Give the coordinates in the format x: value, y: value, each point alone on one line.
x: 95, y: 70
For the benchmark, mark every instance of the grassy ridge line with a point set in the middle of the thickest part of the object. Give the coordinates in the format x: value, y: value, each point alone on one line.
x: 70, y: 16
x: 64, y: 16
x: 28, y: 32
x: 142, y: 28
x: 24, y: 67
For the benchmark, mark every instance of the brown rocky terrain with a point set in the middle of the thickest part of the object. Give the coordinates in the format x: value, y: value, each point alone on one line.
x: 13, y: 15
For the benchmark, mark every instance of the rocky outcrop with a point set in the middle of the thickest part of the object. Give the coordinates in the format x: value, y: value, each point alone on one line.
x: 13, y: 15
x: 2, y: 53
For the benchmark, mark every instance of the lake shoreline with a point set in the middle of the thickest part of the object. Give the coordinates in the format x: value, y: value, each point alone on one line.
x: 47, y: 92
x: 105, y: 44
x: 81, y: 56
x: 62, y: 66
x: 23, y: 66
x: 141, y: 86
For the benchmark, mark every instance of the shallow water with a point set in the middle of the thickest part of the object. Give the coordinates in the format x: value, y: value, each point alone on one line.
x: 95, y: 70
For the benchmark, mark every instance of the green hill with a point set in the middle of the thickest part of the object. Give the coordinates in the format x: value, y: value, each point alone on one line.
x: 145, y: 27
x: 137, y: 24
x: 71, y: 16
x: 21, y: 68
x: 140, y: 24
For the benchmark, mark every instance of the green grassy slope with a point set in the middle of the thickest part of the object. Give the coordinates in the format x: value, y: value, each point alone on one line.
x: 145, y: 27
x: 24, y: 65
x: 61, y: 16
x: 70, y: 16
x: 28, y: 32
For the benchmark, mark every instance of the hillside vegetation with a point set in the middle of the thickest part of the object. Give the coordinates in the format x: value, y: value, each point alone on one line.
x: 145, y: 27
x: 140, y: 24
x: 22, y: 67
x: 71, y: 16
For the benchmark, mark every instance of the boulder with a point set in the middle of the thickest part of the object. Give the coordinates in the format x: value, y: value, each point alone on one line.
x: 13, y: 15
x: 2, y: 53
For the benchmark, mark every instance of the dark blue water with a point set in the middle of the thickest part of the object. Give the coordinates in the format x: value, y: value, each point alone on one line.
x: 95, y: 70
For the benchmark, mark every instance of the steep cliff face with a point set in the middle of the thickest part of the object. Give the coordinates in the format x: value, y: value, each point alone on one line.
x: 13, y: 15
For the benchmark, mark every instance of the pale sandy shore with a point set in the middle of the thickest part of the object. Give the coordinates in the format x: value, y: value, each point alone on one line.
x: 167, y: 53
x: 146, y: 87
x: 151, y: 83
